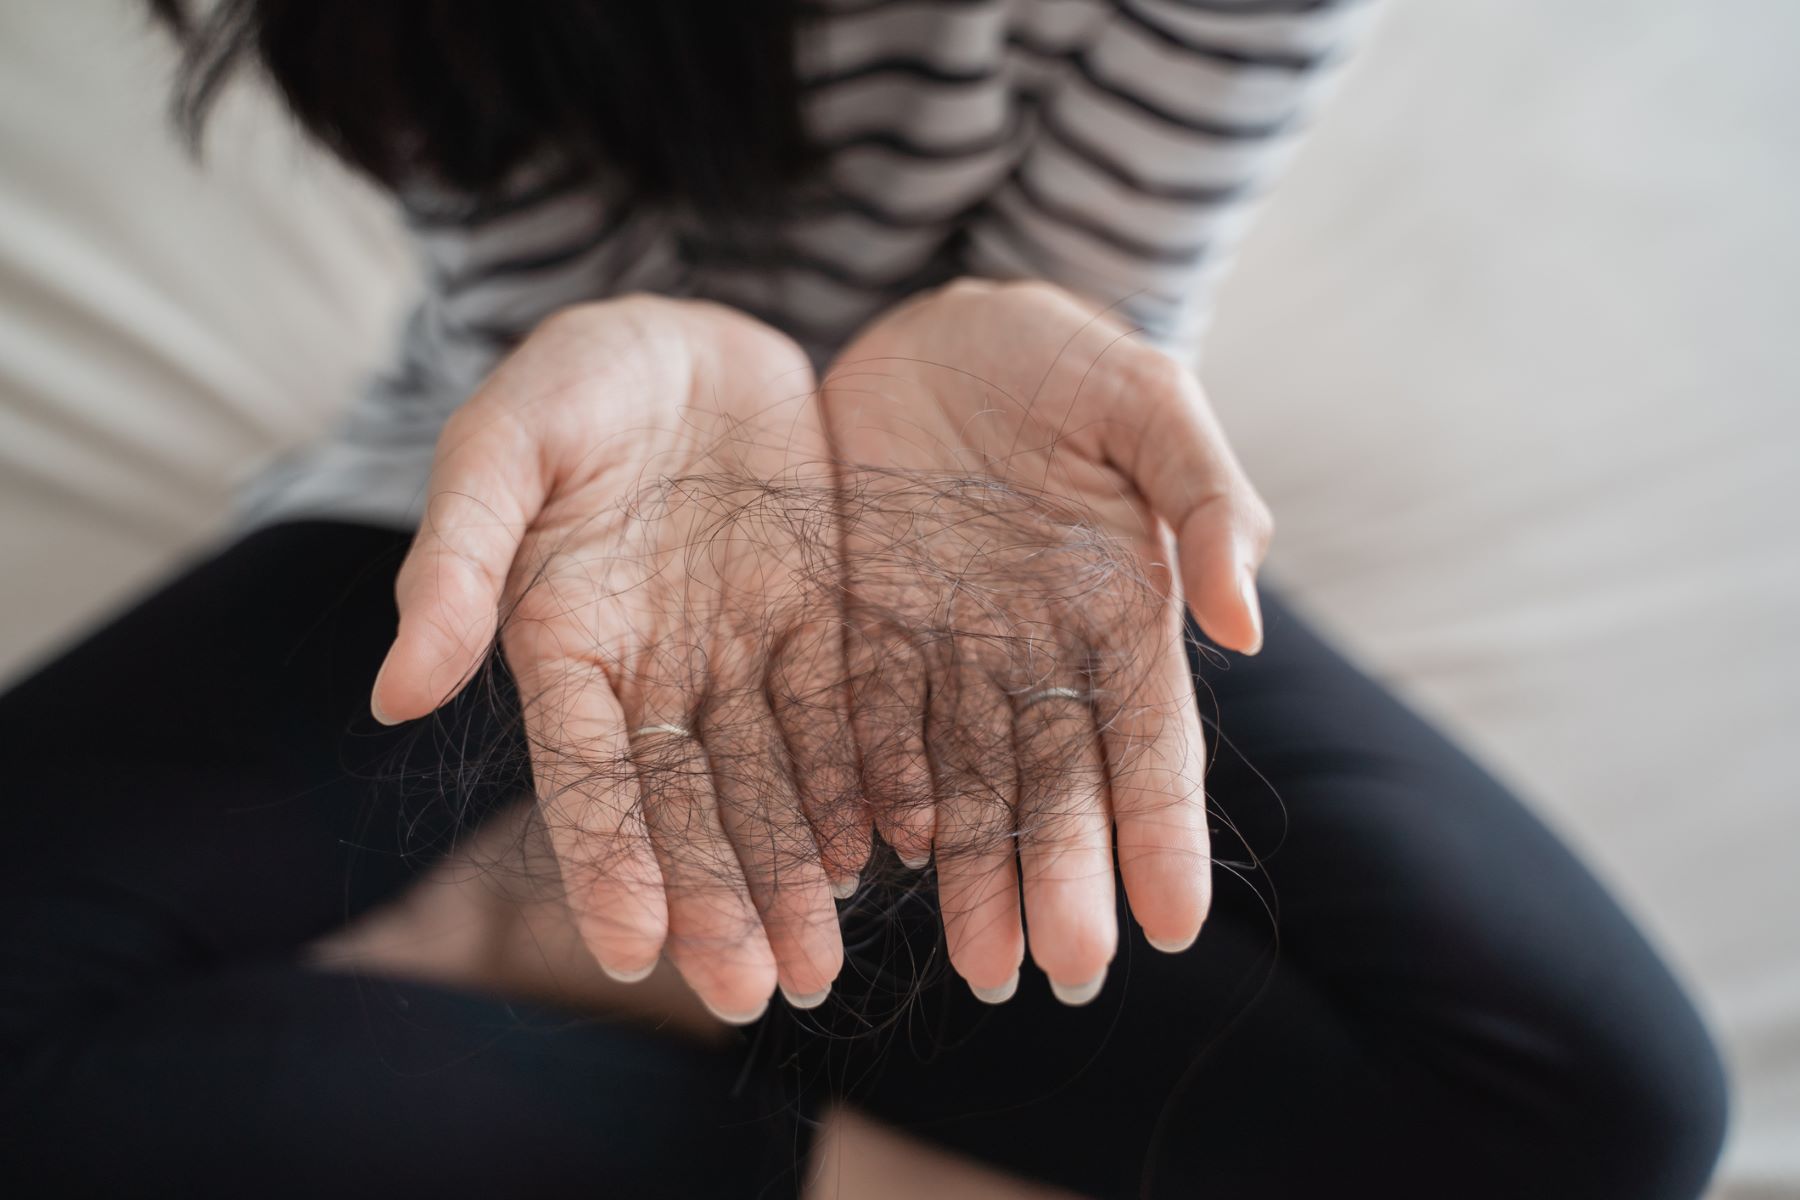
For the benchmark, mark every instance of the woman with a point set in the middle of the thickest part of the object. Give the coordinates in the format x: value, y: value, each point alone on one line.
x: 840, y: 616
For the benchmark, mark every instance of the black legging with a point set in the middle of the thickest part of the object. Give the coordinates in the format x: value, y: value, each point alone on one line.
x: 1455, y: 1007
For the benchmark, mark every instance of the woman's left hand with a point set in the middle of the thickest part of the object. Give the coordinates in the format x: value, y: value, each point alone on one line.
x: 1028, y: 386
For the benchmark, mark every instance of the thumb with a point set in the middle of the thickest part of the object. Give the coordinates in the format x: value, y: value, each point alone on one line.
x: 485, y: 489
x: 1220, y: 549
x: 1179, y: 459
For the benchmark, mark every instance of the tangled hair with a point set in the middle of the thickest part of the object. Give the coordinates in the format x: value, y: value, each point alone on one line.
x: 920, y: 598
x: 914, y: 594
x: 682, y: 101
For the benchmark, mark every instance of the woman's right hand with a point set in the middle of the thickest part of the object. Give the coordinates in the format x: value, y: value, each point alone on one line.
x: 579, y: 494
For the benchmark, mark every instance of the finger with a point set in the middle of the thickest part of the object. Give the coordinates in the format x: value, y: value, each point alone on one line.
x: 1167, y: 439
x: 969, y: 730
x: 484, y: 490
x: 759, y: 809
x: 591, y: 807
x: 809, y: 698
x: 1156, y: 768
x: 716, y: 940
x: 887, y: 709
x: 1065, y: 838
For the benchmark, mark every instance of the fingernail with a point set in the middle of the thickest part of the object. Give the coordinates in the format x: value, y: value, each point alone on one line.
x: 1170, y: 945
x: 997, y: 995
x: 637, y: 976
x: 812, y: 1001
x: 919, y: 863
x: 744, y: 1018
x: 1078, y: 994
x: 374, y: 704
x: 1252, y: 605
x: 845, y: 889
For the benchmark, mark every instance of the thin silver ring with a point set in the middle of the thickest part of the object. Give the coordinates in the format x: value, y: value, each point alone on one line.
x: 1055, y: 693
x: 676, y: 730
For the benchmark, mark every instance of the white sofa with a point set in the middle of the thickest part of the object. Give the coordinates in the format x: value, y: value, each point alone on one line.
x: 1510, y: 354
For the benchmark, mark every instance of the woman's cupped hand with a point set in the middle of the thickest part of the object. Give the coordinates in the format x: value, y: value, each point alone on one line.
x: 756, y: 621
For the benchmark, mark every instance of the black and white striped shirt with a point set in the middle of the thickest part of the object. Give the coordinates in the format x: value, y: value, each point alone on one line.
x: 1112, y: 146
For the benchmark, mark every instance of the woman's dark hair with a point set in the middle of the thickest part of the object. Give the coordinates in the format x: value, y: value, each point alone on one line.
x: 694, y: 102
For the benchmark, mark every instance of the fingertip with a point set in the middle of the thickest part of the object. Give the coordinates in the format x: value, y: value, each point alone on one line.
x: 376, y: 710
x: 1218, y: 577
x: 997, y: 995
x: 622, y: 919
x: 1170, y: 894
x: 747, y: 1016
x: 1252, y: 603
x: 1078, y: 994
x: 1229, y: 612
x: 1238, y: 634
x: 812, y: 1000
x: 412, y: 680
x: 1173, y: 945
x: 637, y: 975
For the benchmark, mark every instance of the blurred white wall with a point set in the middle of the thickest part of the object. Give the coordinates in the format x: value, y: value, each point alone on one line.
x: 1509, y: 354
x: 163, y: 328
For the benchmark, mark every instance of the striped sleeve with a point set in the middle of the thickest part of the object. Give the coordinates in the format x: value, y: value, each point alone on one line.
x: 1158, y: 126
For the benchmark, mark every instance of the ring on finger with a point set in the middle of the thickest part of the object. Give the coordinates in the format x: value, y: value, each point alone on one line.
x: 672, y: 730
x: 1037, y: 697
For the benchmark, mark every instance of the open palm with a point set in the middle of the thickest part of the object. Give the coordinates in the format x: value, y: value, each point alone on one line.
x: 617, y: 491
x: 752, y: 620
x: 1048, y: 654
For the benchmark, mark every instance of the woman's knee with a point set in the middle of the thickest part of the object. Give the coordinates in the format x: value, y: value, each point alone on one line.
x: 1609, y: 1090
x: 1654, y: 1112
